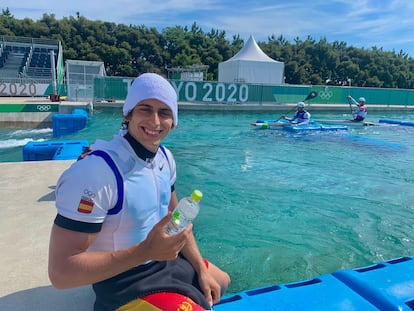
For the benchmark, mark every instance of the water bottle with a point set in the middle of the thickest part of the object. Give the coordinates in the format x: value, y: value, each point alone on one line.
x: 184, y: 213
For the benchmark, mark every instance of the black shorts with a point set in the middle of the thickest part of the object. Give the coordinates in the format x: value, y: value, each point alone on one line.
x: 176, y: 276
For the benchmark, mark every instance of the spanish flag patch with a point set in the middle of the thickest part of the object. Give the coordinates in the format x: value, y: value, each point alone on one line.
x: 85, y: 205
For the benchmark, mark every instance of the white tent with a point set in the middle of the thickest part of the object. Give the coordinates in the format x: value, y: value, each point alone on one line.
x: 251, y: 65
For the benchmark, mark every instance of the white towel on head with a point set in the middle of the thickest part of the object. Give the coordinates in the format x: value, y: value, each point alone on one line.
x: 151, y: 86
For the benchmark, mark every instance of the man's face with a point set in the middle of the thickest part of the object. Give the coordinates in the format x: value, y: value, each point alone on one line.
x: 150, y: 122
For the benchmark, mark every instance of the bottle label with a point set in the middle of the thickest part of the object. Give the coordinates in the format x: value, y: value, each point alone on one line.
x: 176, y: 217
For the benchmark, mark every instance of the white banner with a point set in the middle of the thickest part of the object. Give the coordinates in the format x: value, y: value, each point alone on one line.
x: 22, y: 89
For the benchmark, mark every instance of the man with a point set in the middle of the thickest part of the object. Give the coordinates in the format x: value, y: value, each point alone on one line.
x: 113, y: 206
x: 301, y: 116
x: 360, y: 112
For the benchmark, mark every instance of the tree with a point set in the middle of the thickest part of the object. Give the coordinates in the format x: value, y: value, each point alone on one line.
x: 128, y: 50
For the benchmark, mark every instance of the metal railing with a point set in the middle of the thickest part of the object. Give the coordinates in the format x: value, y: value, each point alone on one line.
x: 26, y: 40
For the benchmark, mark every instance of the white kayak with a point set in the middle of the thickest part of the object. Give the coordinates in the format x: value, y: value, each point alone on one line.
x: 347, y: 122
x: 292, y: 127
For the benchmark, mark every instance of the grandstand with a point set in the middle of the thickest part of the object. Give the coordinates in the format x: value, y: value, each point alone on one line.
x: 34, y: 67
x: 30, y: 66
x: 26, y: 58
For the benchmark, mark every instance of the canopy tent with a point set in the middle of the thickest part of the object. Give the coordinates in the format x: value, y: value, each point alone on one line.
x: 251, y: 65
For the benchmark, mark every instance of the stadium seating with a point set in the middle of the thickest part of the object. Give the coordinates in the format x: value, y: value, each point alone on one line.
x: 27, y: 57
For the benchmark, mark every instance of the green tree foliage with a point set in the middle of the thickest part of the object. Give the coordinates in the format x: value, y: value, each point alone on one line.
x: 128, y: 50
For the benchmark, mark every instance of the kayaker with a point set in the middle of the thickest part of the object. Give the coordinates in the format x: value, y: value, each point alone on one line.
x: 360, y: 111
x: 301, y: 116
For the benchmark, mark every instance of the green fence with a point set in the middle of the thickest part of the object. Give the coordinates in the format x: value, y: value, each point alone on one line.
x: 116, y: 88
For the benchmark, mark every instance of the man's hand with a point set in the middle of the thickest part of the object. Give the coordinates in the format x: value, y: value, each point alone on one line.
x: 162, y: 246
x: 210, y: 288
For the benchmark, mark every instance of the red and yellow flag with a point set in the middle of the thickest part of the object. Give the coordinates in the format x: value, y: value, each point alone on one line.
x: 163, y: 301
x: 85, y: 206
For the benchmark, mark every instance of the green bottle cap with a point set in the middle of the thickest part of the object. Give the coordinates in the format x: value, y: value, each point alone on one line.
x: 197, y: 195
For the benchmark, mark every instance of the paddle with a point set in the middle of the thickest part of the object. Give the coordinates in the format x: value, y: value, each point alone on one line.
x: 350, y: 106
x: 311, y: 95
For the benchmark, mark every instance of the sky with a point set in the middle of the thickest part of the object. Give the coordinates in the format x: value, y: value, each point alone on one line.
x: 361, y: 23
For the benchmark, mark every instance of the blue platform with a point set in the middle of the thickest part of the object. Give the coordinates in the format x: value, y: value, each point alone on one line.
x: 398, y: 122
x: 384, y: 286
x: 373, y: 142
x: 65, y: 124
x: 54, y: 150
x: 314, y: 126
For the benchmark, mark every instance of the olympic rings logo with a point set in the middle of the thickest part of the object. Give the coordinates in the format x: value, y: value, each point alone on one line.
x: 44, y: 108
x: 89, y: 193
x: 325, y: 94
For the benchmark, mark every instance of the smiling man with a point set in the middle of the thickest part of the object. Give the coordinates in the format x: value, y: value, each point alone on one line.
x: 112, y: 207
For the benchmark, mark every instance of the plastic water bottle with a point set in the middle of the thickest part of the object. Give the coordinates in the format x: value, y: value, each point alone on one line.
x: 184, y: 213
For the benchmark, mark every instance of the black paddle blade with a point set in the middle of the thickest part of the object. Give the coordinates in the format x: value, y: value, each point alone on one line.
x: 311, y: 95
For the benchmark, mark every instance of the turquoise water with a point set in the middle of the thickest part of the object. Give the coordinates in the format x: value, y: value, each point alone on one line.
x: 281, y: 207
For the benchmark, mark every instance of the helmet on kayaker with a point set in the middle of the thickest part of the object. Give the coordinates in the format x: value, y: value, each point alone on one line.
x: 362, y: 100
x: 300, y: 105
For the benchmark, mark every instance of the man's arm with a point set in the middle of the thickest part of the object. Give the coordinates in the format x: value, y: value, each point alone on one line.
x: 354, y: 102
x: 71, y: 265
